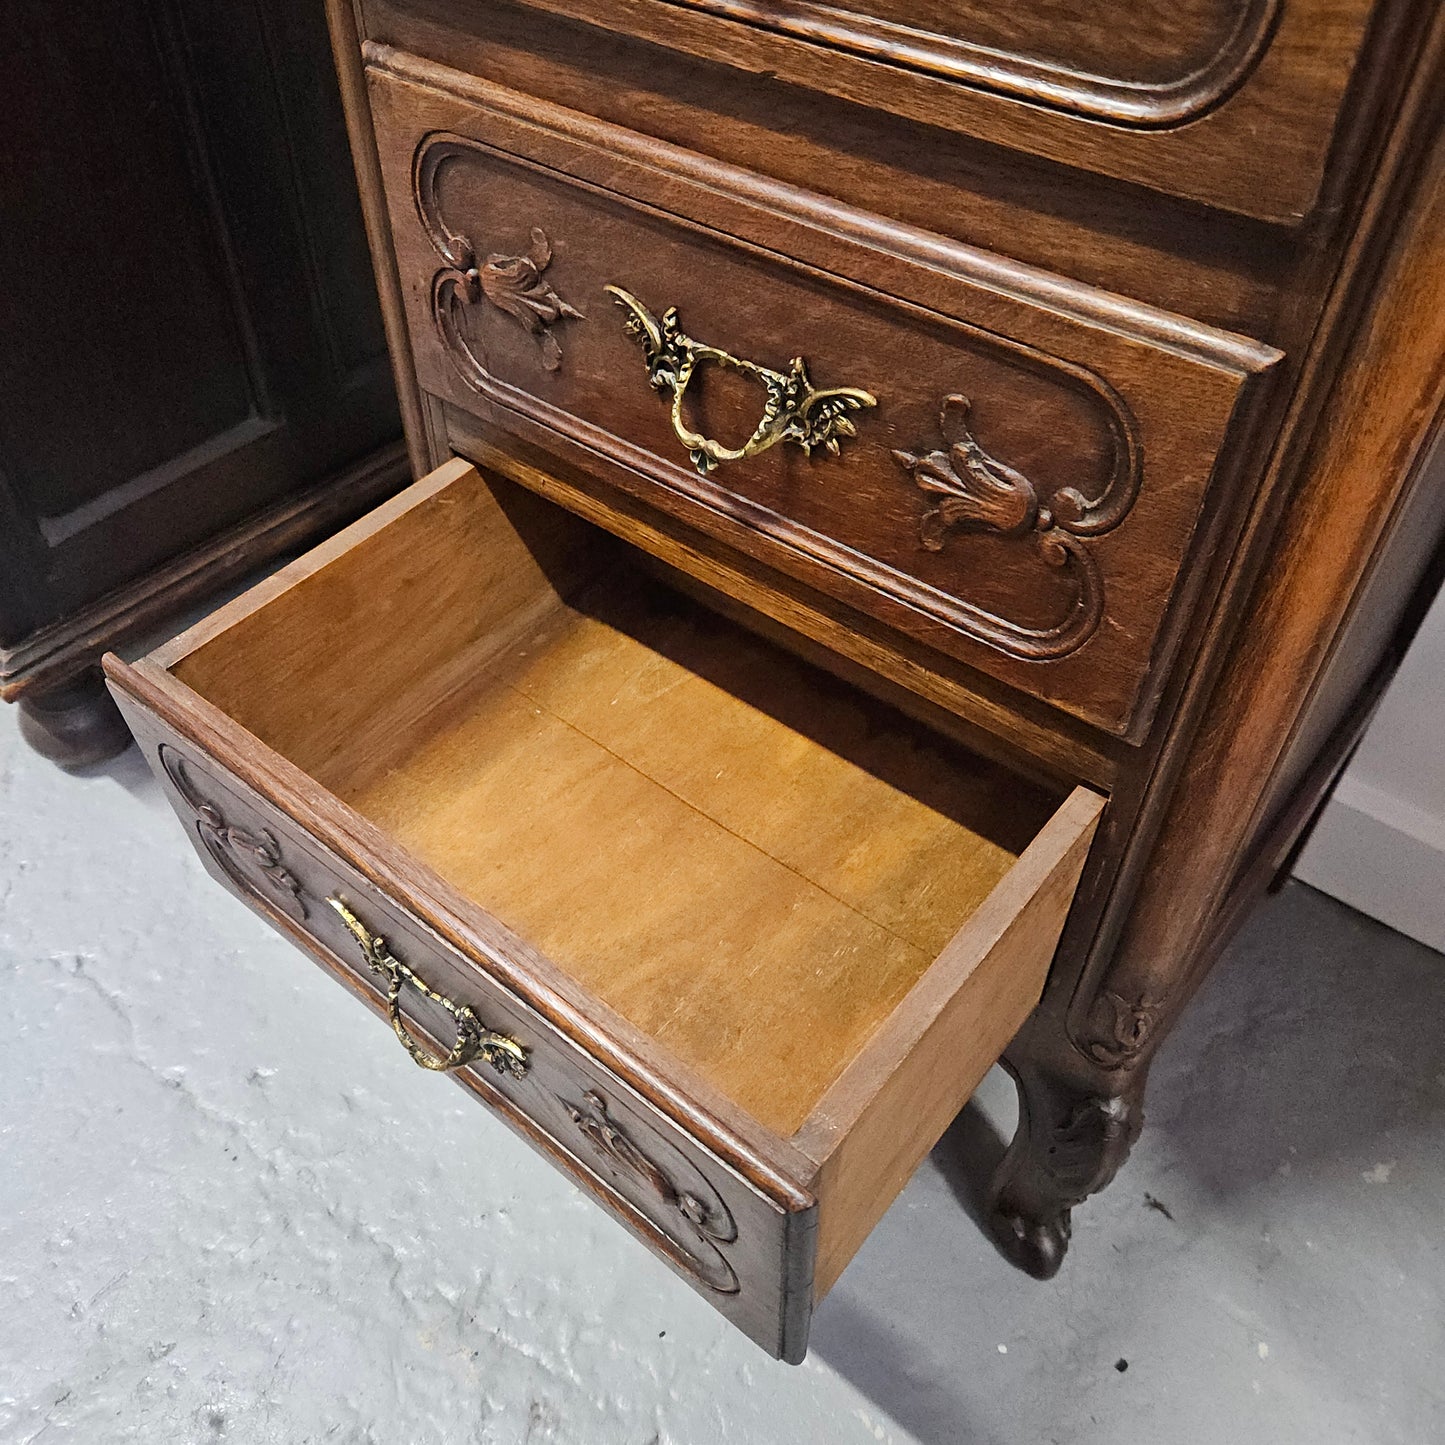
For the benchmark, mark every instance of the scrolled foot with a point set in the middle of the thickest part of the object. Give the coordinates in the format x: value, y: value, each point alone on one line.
x: 76, y: 725
x: 1070, y: 1143
x: 1036, y: 1246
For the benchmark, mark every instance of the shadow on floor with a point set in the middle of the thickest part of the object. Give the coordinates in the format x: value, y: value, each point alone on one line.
x: 128, y: 769
x: 858, y: 1341
x: 1320, y: 1032
x: 966, y: 1158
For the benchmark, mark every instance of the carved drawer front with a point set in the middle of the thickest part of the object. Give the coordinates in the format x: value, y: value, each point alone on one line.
x: 1230, y: 102
x: 727, y: 941
x: 724, y: 1235
x: 1013, y: 471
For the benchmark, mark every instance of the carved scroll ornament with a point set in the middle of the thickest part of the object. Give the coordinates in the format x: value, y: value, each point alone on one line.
x: 695, y: 1220
x: 515, y: 285
x: 969, y: 490
x: 252, y: 861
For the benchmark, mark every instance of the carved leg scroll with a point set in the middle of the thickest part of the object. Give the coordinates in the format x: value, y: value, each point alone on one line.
x: 1076, y: 1127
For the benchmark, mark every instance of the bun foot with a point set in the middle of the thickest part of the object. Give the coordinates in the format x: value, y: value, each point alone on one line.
x: 76, y: 725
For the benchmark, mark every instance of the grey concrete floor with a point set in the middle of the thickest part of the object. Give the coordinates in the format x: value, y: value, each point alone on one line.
x: 231, y: 1209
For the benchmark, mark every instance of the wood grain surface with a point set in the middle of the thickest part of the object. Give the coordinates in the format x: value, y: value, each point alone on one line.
x: 1174, y: 97
x: 777, y: 909
x: 1101, y: 424
x: 758, y: 863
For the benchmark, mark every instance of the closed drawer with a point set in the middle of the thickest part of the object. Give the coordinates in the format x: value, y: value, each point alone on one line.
x: 725, y: 940
x: 1230, y: 102
x: 1019, y: 473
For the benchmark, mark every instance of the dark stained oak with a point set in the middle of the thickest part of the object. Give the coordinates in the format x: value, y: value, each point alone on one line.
x: 1172, y: 96
x: 76, y: 725
x: 1031, y: 486
x: 1300, y: 289
x: 1315, y: 618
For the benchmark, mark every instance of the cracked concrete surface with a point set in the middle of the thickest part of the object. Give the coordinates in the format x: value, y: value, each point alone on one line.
x: 232, y: 1209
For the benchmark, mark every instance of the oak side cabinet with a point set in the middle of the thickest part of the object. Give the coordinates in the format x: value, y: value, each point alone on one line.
x: 915, y: 506
x: 192, y: 362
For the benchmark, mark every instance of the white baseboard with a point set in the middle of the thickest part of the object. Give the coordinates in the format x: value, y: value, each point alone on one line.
x: 1382, y: 856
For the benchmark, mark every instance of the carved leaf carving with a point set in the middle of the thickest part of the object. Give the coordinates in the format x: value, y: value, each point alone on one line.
x: 1087, y: 1143
x: 972, y: 488
x: 515, y: 285
x: 695, y: 1220
x: 968, y: 489
x: 248, y: 859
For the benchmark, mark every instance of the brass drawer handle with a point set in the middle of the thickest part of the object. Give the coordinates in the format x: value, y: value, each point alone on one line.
x: 793, y: 411
x: 473, y: 1041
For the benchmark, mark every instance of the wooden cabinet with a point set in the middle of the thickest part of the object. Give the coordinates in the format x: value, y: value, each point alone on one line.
x: 194, y: 366
x: 922, y: 502
x: 1010, y: 423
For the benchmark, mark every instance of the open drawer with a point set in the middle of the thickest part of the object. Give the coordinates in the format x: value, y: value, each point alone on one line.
x: 726, y: 940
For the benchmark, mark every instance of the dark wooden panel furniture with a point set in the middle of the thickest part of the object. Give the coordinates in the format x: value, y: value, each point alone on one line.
x: 1176, y: 96
x: 194, y: 368
x: 863, y: 439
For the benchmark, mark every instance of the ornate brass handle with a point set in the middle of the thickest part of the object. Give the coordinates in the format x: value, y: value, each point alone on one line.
x: 793, y: 410
x: 473, y: 1041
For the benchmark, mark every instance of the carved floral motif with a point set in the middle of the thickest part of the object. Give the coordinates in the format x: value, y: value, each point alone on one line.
x: 515, y: 285
x: 1119, y: 1029
x: 970, y: 490
x: 705, y: 1222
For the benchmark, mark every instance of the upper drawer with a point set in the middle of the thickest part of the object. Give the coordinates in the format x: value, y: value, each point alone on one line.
x: 1017, y: 474
x: 1230, y: 102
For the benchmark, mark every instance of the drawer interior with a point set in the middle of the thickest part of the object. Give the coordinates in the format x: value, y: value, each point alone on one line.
x: 750, y: 861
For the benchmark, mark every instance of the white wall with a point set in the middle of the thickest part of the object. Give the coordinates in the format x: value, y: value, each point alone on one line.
x: 1380, y: 843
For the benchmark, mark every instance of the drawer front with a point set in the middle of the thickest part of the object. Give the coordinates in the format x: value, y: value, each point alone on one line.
x: 748, y: 1254
x: 1173, y: 96
x: 1011, y: 469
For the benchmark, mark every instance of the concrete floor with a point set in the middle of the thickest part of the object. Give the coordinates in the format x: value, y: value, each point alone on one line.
x: 231, y: 1209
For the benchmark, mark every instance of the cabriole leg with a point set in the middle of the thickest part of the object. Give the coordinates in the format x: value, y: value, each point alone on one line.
x: 1076, y: 1127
